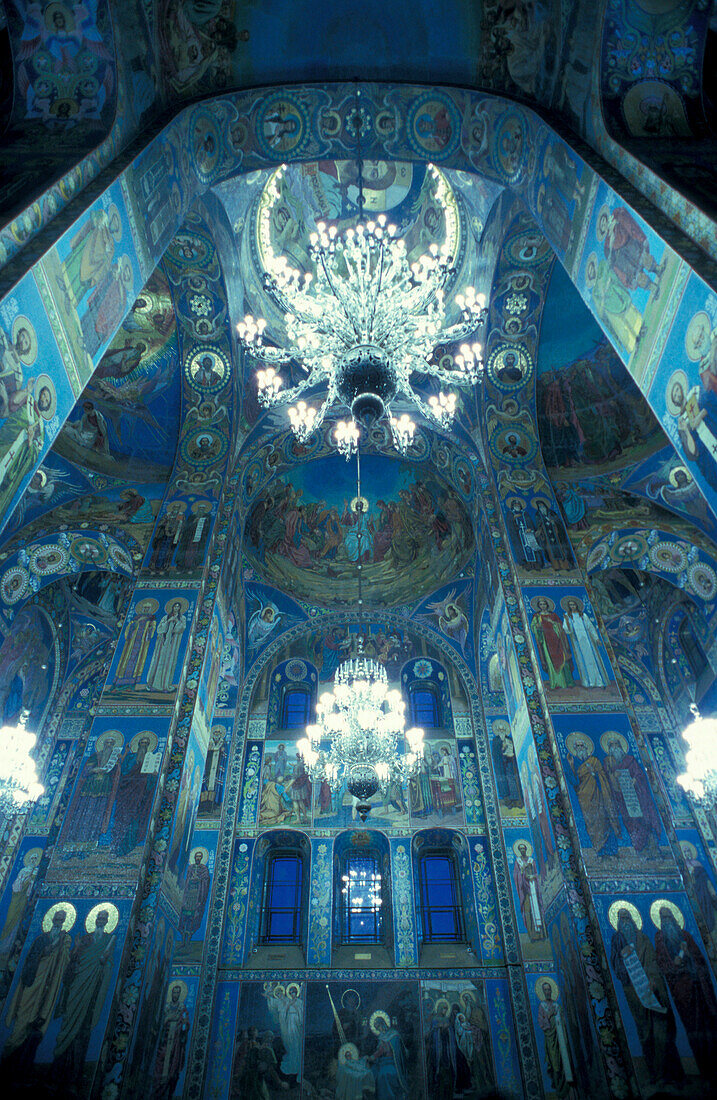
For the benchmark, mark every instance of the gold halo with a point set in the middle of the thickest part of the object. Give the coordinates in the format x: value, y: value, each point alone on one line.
x: 205, y: 855
x: 69, y: 16
x: 112, y: 917
x: 293, y: 985
x: 103, y: 737
x: 466, y: 995
x: 528, y: 846
x: 621, y: 904
x: 344, y: 1049
x: 590, y: 279
x: 687, y: 847
x: 604, y: 211
x: 672, y: 478
x: 180, y: 600
x: 611, y: 735
x: 201, y: 507
x: 442, y: 1001
x: 45, y: 382
x: 570, y: 741
x: 279, y: 988
x: 511, y: 500
x: 665, y: 903
x: 539, y: 988
x: 379, y: 1014
x: 153, y: 740
x: 111, y: 210
x: 358, y: 997
x: 125, y: 267
x: 146, y: 606
x: 500, y: 724
x: 681, y: 377
x: 176, y: 506
x: 183, y: 993
x: 534, y: 602
x: 29, y: 357
x: 70, y: 915
x: 354, y: 505
x: 694, y: 348
x: 36, y: 854
x: 564, y: 603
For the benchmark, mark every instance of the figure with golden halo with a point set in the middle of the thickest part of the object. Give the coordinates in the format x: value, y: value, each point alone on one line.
x: 388, y: 1061
x: 135, y: 793
x: 552, y: 644
x: 634, y: 964
x: 585, y: 644
x: 689, y: 981
x: 85, y: 987
x: 194, y: 896
x: 446, y: 1065
x: 33, y: 1004
x: 594, y: 793
x: 287, y: 1009
x: 90, y: 811
x: 527, y: 884
x: 137, y: 637
x: 172, y: 1047
x: 632, y: 795
x: 170, y: 631
x: 557, y: 1052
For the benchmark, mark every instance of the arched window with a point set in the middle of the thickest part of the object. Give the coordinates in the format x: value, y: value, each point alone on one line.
x: 295, y: 707
x: 694, y: 654
x: 282, y: 910
x: 440, y: 897
x: 361, y: 918
x: 425, y: 706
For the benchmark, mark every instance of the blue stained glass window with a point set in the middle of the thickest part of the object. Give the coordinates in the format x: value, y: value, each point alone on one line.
x: 425, y: 711
x: 295, y: 708
x: 440, y: 899
x: 361, y: 899
x: 282, y: 898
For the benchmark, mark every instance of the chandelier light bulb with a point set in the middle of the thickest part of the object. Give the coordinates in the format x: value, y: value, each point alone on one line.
x: 364, y: 322
x: 19, y: 785
x: 700, y: 778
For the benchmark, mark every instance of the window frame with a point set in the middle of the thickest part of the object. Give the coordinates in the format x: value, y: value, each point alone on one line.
x: 346, y: 937
x: 266, y: 938
x: 299, y: 690
x: 418, y: 719
x: 427, y: 908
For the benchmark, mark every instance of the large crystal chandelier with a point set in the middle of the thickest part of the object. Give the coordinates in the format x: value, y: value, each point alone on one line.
x: 364, y: 322
x: 359, y: 737
x: 19, y: 786
x: 700, y: 779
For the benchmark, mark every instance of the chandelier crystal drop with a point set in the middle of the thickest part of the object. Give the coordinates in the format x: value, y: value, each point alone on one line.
x: 19, y: 786
x: 700, y: 779
x: 363, y: 323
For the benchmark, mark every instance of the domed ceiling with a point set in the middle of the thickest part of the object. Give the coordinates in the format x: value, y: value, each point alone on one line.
x: 302, y: 533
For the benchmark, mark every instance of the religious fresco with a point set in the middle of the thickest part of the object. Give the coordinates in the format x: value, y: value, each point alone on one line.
x: 169, y: 1056
x: 573, y: 661
x: 149, y: 653
x: 505, y: 769
x: 179, y: 844
x: 57, y: 1009
x: 126, y: 420
x: 108, y: 815
x: 28, y: 672
x: 616, y: 815
x: 215, y: 769
x: 17, y: 895
x: 564, y: 1072
x: 195, y: 885
x: 665, y: 989
x: 591, y: 416
x: 303, y: 531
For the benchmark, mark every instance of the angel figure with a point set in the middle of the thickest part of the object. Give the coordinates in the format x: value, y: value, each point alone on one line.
x: 262, y: 622
x: 451, y: 619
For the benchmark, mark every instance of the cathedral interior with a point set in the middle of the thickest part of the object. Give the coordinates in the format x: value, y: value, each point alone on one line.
x: 188, y: 910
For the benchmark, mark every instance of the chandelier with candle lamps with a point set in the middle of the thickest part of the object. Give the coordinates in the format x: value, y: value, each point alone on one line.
x: 700, y: 778
x: 19, y: 786
x: 360, y: 737
x: 364, y: 324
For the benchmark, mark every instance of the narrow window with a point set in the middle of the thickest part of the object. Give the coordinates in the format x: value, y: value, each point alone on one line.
x: 295, y: 709
x: 425, y: 711
x: 361, y: 899
x: 440, y: 898
x: 692, y: 649
x: 282, y: 898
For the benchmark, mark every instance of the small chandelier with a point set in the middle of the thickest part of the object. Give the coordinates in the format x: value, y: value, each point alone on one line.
x: 700, y: 779
x: 363, y: 323
x: 19, y: 786
x: 361, y: 723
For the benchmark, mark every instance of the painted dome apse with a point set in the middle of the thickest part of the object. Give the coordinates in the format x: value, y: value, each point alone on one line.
x: 301, y: 535
x: 591, y: 416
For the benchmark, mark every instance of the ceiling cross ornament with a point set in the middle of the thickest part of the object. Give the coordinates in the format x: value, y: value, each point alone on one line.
x: 364, y: 324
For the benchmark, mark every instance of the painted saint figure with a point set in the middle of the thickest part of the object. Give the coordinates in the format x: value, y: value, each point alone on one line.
x: 137, y: 637
x: 194, y: 897
x: 170, y: 630
x: 287, y: 1008
x: 527, y: 885
x: 552, y: 644
x: 557, y: 1053
x: 594, y: 794
x: 632, y: 795
x: 585, y: 644
x: 172, y: 1046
